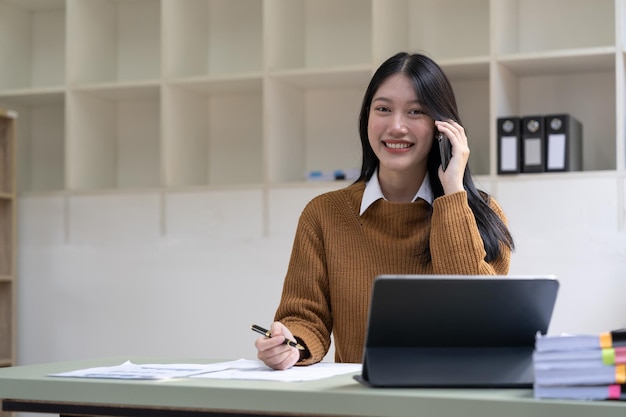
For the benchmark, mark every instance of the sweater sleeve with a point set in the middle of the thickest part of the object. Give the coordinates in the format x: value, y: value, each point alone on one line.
x: 456, y: 244
x: 304, y: 306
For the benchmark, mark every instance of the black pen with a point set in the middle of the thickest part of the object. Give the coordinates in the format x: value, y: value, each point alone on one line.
x: 267, y: 333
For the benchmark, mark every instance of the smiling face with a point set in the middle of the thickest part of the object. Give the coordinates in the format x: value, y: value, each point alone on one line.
x: 399, y: 131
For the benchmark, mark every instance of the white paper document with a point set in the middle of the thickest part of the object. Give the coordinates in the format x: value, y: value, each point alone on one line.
x: 257, y: 370
x: 238, y: 369
x: 129, y: 370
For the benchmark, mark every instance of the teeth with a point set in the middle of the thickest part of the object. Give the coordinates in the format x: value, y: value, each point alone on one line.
x: 398, y: 145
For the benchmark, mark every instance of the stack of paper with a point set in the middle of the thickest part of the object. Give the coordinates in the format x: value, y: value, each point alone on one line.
x: 581, y: 366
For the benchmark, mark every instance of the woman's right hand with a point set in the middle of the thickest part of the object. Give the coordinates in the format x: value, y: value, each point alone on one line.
x: 452, y: 178
x: 272, y: 350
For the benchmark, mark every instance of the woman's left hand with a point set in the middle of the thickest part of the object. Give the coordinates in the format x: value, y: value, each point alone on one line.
x: 452, y: 178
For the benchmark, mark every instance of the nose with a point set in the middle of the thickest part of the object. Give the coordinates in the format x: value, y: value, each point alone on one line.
x: 397, y: 125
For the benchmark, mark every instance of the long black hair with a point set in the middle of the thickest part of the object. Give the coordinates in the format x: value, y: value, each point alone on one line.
x: 435, y: 95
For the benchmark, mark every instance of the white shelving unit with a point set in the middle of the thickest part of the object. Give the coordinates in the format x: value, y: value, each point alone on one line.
x: 167, y: 94
x: 8, y: 226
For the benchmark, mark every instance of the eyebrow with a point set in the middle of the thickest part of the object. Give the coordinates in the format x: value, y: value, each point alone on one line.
x: 388, y: 100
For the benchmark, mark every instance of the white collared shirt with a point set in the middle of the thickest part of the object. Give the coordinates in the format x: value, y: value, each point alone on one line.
x: 374, y: 193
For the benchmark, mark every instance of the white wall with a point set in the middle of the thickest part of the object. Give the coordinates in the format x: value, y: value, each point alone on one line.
x: 182, y: 275
x: 573, y: 227
x: 185, y: 274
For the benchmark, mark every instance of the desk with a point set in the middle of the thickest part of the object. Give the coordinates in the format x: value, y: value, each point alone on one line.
x: 27, y: 388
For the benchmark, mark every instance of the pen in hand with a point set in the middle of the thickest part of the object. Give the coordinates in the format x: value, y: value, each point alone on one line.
x: 267, y: 333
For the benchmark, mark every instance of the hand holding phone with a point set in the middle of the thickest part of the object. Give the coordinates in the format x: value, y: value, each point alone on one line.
x: 445, y: 150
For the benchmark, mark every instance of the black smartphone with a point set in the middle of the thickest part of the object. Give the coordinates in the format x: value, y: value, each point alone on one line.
x: 445, y: 150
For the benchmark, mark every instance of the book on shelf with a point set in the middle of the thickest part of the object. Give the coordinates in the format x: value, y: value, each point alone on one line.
x: 582, y: 392
x: 614, y: 338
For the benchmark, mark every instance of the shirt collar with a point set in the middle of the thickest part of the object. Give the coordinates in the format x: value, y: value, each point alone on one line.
x: 374, y: 193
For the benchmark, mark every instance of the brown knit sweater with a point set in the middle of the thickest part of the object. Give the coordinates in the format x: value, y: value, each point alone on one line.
x: 337, y: 254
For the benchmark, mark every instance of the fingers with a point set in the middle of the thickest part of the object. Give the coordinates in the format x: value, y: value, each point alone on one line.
x: 272, y: 350
x: 454, y: 131
x: 452, y: 178
x: 281, y: 357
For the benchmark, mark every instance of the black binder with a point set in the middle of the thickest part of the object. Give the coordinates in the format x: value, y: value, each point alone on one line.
x: 563, y: 143
x: 533, y: 144
x: 455, y: 331
x: 509, y: 138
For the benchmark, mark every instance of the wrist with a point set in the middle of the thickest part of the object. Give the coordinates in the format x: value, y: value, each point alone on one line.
x: 304, y: 354
x: 452, y: 188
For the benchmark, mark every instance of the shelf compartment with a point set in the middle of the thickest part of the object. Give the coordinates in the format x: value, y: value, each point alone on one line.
x: 113, y: 138
x: 589, y: 96
x: 212, y: 37
x: 317, y: 34
x: 213, y: 132
x: 40, y: 140
x: 7, y: 154
x: 575, y: 60
x: 7, y: 210
x: 6, y: 323
x: 466, y: 68
x: 113, y: 41
x: 470, y: 80
x: 403, y: 25
x: 472, y: 96
x: 322, y: 133
x: 526, y: 26
x: 32, y: 45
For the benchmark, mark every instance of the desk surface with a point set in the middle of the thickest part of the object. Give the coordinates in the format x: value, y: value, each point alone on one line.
x: 339, y: 396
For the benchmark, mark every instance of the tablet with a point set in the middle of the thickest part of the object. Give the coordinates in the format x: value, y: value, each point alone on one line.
x: 455, y: 331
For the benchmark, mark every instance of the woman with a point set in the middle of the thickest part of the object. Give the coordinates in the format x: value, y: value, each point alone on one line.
x: 404, y: 215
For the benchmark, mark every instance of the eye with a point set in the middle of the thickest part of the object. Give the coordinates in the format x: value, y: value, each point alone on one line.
x: 383, y: 109
x: 416, y: 112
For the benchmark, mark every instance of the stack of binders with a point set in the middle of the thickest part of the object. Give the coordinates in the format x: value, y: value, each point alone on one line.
x: 581, y: 367
x: 539, y: 144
